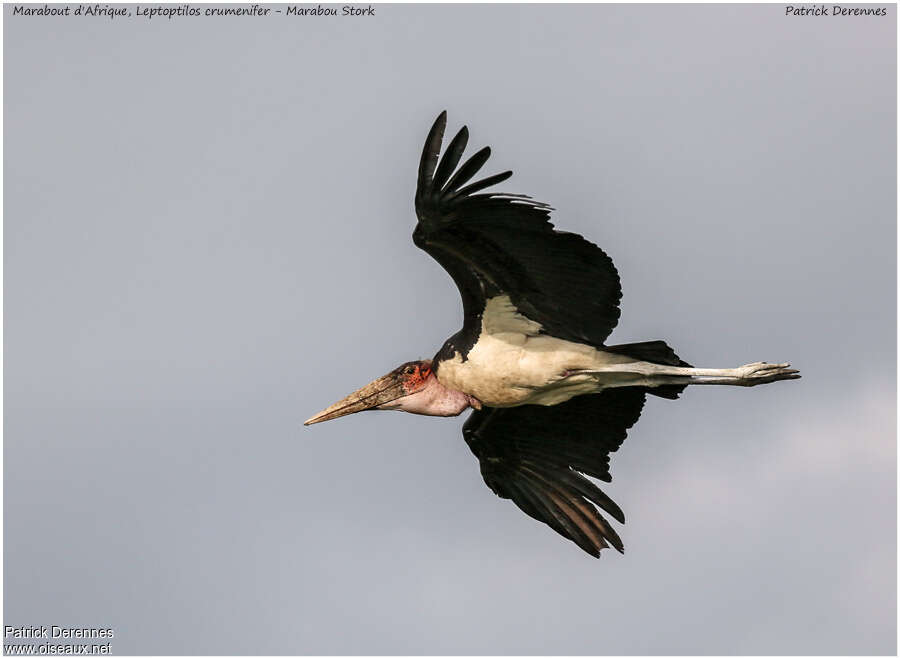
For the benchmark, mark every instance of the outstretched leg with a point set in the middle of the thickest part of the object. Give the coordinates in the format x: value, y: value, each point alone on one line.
x: 648, y: 374
x: 747, y: 375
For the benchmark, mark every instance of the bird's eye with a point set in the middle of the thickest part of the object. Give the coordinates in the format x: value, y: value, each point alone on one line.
x: 410, y: 370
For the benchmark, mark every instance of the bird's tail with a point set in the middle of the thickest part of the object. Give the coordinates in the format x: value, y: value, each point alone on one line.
x: 655, y: 352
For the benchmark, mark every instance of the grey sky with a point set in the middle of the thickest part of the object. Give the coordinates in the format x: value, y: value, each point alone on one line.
x: 207, y: 239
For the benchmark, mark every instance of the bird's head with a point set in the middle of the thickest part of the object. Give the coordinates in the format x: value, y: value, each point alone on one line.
x: 411, y: 387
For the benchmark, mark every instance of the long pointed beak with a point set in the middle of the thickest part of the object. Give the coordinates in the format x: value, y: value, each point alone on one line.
x: 383, y: 390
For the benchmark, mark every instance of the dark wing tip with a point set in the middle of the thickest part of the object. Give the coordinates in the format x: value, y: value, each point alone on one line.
x: 450, y: 159
x: 440, y: 121
x: 432, y: 150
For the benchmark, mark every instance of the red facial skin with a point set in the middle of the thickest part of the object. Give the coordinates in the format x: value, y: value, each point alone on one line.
x: 415, y: 375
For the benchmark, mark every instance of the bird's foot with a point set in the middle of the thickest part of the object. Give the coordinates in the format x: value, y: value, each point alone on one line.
x: 762, y: 372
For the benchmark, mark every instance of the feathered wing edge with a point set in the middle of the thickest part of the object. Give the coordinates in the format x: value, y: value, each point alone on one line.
x: 436, y: 185
x: 562, y: 498
x: 493, y: 242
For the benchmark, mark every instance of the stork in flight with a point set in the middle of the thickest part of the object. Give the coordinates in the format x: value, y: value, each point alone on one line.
x: 551, y: 400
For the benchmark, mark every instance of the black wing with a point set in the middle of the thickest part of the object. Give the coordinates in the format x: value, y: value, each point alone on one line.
x: 493, y: 243
x: 532, y: 454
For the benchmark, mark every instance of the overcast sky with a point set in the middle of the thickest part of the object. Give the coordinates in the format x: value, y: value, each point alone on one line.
x: 207, y: 240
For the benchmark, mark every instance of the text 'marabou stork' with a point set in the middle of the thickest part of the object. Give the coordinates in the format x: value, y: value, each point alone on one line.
x: 551, y: 399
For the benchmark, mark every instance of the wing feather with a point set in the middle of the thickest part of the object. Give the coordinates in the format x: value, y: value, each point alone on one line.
x: 468, y: 170
x: 431, y: 151
x: 487, y: 182
x: 451, y: 158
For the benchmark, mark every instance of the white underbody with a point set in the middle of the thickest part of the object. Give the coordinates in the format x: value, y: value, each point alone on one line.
x: 513, y: 364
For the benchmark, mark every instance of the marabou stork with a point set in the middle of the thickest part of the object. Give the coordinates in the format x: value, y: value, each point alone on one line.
x: 551, y: 400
